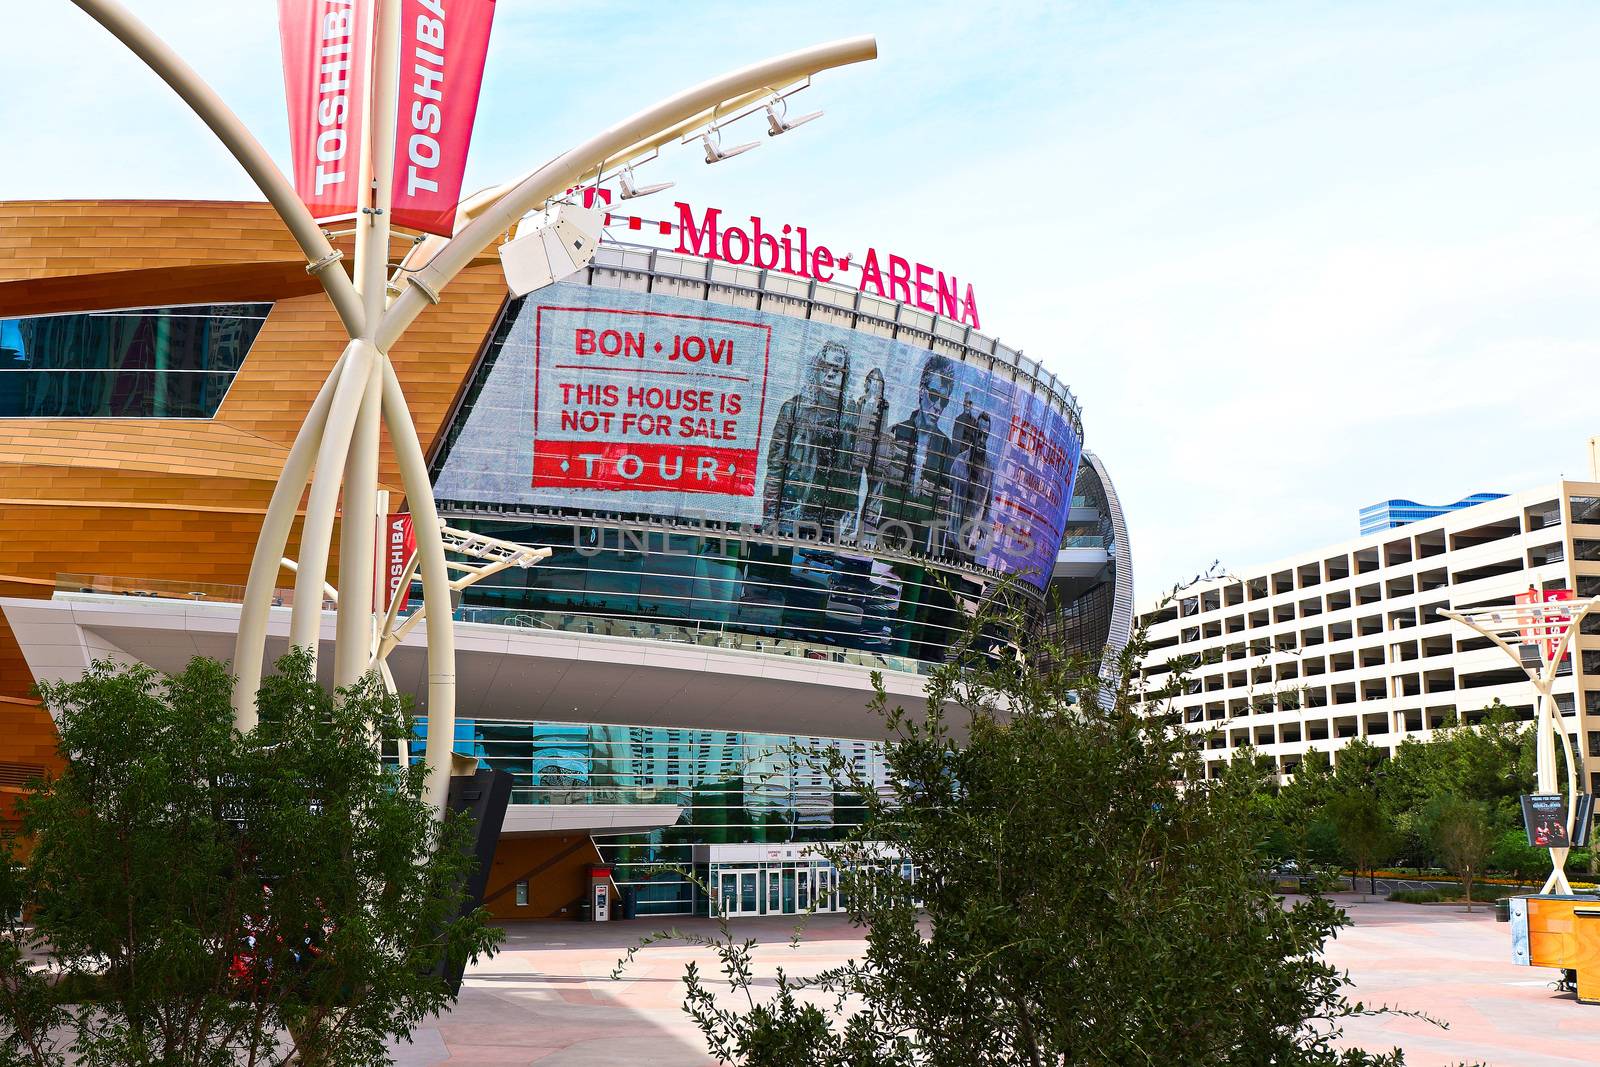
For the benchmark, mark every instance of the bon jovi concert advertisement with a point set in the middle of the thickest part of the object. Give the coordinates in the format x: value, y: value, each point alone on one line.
x: 642, y: 403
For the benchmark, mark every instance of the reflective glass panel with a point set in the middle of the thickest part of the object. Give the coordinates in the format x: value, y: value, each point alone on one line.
x: 164, y: 363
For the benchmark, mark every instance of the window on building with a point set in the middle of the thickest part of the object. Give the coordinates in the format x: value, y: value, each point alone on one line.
x: 522, y: 894
x: 145, y: 363
x: 1585, y: 509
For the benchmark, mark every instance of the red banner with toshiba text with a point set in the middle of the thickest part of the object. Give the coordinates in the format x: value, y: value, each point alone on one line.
x: 400, y: 544
x: 326, y: 46
x: 1548, y: 627
x: 442, y: 49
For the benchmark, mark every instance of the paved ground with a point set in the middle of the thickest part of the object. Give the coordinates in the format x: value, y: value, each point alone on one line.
x: 547, y: 997
x: 1456, y: 967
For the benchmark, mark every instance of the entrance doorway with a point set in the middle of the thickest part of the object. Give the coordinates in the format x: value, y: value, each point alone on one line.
x: 738, y: 892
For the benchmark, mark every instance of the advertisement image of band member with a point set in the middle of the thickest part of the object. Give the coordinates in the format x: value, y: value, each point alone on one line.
x: 972, y: 475
x: 873, y: 451
x: 811, y: 473
x: 919, y: 491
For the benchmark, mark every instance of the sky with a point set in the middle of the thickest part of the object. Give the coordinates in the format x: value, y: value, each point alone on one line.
x: 1293, y: 258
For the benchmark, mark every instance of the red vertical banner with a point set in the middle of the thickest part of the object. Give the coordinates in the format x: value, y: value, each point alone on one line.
x: 1547, y: 627
x: 1555, y: 622
x: 326, y: 47
x: 399, y: 546
x: 442, y: 49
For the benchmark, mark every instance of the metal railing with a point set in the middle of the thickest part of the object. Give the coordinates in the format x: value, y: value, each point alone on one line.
x: 694, y: 634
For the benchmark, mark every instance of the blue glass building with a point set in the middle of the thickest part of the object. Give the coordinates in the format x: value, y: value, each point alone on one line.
x: 1391, y: 513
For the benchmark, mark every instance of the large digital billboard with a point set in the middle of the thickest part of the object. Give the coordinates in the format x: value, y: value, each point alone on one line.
x: 617, y: 401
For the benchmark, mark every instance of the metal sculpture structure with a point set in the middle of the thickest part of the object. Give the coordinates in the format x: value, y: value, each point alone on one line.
x: 1545, y: 630
x: 336, y: 450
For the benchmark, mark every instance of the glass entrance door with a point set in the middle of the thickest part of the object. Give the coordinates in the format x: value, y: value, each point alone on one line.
x: 802, y: 887
x: 824, y: 889
x: 737, y: 892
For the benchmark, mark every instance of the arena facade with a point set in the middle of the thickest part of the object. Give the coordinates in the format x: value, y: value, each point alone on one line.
x: 759, y: 484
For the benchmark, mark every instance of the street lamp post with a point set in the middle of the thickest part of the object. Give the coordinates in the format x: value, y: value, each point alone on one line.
x: 339, y: 438
x: 1547, y: 627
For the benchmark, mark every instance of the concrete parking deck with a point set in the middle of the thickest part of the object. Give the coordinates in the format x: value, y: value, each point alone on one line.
x: 547, y: 997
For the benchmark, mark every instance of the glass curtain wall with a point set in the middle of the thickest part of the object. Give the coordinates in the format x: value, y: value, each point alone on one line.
x: 146, y: 363
x: 726, y: 584
x: 733, y: 787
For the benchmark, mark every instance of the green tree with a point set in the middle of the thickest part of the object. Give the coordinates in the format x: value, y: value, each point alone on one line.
x: 216, y: 898
x: 1365, y: 831
x: 1047, y: 888
x: 1513, y: 855
x: 1253, y: 776
x: 1299, y: 812
x: 29, y: 1010
x: 1359, y: 768
x: 1462, y: 837
x: 1490, y: 762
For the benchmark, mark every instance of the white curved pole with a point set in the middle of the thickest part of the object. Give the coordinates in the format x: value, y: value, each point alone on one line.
x: 294, y: 568
x: 251, y: 643
x: 205, y: 103
x: 357, y: 560
x: 316, y: 533
x: 357, y: 533
x: 565, y: 170
x: 1549, y: 728
x: 441, y: 709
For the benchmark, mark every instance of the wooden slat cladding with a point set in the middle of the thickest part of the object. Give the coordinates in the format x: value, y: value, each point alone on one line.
x: 210, y: 283
x: 302, y: 339
x: 81, y: 238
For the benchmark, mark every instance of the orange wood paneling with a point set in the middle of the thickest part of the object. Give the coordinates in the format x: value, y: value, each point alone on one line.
x: 83, y: 238
x: 557, y: 870
x: 211, y: 283
x: 302, y: 340
x: 1586, y: 953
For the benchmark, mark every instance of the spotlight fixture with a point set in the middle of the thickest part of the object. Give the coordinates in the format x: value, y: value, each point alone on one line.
x: 778, y: 120
x: 715, y: 153
x: 630, y: 190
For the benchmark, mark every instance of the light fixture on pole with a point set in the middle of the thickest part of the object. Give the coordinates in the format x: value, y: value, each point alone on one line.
x: 562, y: 243
x: 631, y: 189
x: 778, y: 121
x: 715, y: 153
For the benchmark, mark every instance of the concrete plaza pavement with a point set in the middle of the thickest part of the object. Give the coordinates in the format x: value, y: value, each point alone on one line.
x: 547, y: 998
x: 1456, y: 967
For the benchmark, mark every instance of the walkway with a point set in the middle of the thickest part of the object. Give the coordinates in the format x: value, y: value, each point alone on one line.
x: 547, y: 998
